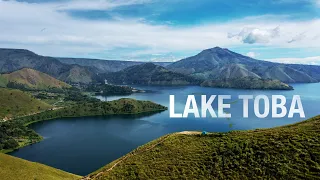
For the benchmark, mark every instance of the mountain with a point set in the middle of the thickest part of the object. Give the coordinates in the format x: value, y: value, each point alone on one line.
x: 15, y: 59
x: 219, y: 63
x: 149, y: 74
x: 247, y: 83
x: 19, y: 169
x: 16, y: 103
x: 288, y: 152
x: 104, y: 66
x: 32, y: 79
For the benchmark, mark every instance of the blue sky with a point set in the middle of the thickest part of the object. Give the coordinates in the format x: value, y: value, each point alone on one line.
x: 163, y: 30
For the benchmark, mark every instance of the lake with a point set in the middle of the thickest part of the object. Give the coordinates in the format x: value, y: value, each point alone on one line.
x: 83, y: 145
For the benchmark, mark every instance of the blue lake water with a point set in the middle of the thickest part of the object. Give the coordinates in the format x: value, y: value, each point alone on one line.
x: 83, y: 145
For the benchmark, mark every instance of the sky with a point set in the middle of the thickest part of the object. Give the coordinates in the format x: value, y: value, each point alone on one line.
x: 286, y: 31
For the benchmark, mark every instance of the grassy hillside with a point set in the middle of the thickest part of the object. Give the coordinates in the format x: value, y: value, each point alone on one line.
x: 19, y: 169
x: 289, y: 152
x: 17, y: 103
x: 3, y: 81
x: 32, y: 79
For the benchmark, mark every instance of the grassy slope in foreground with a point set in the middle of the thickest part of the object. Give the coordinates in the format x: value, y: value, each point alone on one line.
x: 282, y: 153
x: 16, y: 168
x: 15, y: 103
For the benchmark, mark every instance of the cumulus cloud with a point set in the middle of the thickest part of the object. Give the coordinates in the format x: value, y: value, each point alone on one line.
x: 315, y: 60
x: 256, y: 35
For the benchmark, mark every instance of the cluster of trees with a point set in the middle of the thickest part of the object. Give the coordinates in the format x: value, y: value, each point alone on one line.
x: 13, y: 132
x: 109, y: 90
x: 122, y: 106
x: 79, y: 97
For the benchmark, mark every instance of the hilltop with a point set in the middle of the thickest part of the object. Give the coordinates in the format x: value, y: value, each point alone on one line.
x: 16, y: 103
x: 149, y: 74
x: 221, y: 63
x: 19, y: 169
x: 288, y: 152
x: 33, y: 79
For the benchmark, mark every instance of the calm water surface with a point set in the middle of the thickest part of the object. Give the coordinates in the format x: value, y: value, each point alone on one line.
x: 83, y: 145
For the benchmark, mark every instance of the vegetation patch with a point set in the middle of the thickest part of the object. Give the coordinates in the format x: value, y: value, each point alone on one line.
x: 15, y: 103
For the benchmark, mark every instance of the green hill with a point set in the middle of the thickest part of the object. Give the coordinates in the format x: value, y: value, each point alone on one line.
x: 121, y: 106
x: 16, y: 103
x: 289, y: 152
x: 31, y: 79
x: 19, y: 169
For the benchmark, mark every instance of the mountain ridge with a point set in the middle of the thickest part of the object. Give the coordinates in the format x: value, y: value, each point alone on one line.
x: 104, y: 66
x: 215, y: 62
x: 15, y: 59
x: 149, y: 74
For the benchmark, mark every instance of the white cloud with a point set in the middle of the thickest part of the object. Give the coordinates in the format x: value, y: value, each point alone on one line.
x: 67, y: 36
x: 256, y: 35
x: 251, y: 54
x: 315, y: 60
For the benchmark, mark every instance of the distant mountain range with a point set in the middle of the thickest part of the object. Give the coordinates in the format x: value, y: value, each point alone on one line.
x: 219, y: 63
x: 210, y: 65
x: 27, y: 78
x: 15, y: 59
